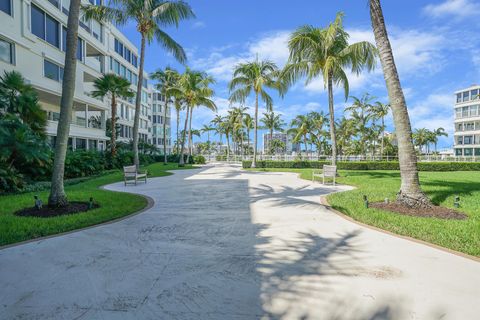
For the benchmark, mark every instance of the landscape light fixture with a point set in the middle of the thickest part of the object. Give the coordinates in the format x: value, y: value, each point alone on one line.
x: 38, y: 203
x: 365, y: 201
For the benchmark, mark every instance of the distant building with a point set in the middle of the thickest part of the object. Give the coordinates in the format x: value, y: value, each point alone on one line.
x: 467, y: 122
x: 287, y: 139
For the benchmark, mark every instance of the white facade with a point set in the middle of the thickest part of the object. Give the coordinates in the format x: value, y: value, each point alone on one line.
x: 287, y: 139
x: 467, y: 122
x: 32, y: 42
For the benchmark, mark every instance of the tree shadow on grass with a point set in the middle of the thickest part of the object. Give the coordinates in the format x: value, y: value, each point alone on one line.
x: 441, y: 190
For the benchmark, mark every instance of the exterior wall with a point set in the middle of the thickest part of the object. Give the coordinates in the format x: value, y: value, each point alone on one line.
x: 285, y: 138
x: 467, y: 122
x: 99, y: 55
x: 158, y: 105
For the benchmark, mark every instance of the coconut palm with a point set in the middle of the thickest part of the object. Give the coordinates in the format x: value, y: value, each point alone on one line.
x: 167, y: 81
x: 255, y: 77
x: 325, y: 52
x: 194, y: 88
x: 248, y: 125
x: 273, y: 122
x: 237, y: 114
x: 216, y: 122
x: 150, y: 17
x: 439, y: 132
x: 360, y: 113
x: 114, y: 87
x: 380, y: 111
x: 207, y: 129
x: 300, y: 128
x: 179, y: 104
x: 57, y: 197
x: 410, y: 193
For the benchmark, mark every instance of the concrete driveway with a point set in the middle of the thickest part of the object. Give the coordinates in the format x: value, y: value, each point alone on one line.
x: 220, y: 243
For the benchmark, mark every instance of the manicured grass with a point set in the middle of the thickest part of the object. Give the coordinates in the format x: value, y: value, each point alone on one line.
x: 441, y: 187
x: 113, y: 205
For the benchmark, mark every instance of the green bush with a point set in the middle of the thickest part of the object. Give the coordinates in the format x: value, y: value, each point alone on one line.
x: 199, y: 159
x: 222, y: 158
x: 175, y: 158
x: 83, y: 163
x: 10, y: 179
x: 367, y: 165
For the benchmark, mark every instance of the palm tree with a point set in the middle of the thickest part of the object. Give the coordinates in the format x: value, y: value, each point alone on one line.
x: 115, y: 87
x: 248, y: 125
x: 194, y: 88
x: 410, y: 193
x: 167, y: 80
x: 216, y: 122
x: 360, y: 110
x: 316, y: 52
x: 227, y: 128
x: 380, y: 111
x: 301, y: 127
x: 439, y: 132
x: 57, y: 197
x: 319, y: 120
x: 150, y: 16
x: 421, y: 138
x: 254, y: 77
x: 272, y: 121
x: 207, y: 129
x: 179, y: 104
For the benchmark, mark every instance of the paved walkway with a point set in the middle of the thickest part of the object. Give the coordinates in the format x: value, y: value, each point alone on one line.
x: 220, y: 243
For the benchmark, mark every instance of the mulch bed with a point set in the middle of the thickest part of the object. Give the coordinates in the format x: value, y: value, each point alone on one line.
x: 432, y: 212
x: 46, y: 212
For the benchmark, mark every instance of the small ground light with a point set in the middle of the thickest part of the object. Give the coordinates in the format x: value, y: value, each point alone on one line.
x: 90, y: 203
x: 365, y: 201
x: 387, y: 201
x: 456, y: 203
x: 38, y: 203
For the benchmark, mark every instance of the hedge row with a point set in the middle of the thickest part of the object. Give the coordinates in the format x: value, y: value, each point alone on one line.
x: 367, y: 165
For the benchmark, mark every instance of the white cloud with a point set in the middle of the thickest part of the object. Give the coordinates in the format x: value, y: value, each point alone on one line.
x: 456, y: 8
x: 198, y: 24
x: 272, y: 47
x: 435, y: 111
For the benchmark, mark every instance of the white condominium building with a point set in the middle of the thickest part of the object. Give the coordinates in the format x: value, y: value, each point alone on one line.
x: 287, y: 140
x: 467, y: 122
x: 32, y: 42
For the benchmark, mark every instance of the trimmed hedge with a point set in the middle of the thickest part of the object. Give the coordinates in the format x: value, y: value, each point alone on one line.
x: 366, y: 165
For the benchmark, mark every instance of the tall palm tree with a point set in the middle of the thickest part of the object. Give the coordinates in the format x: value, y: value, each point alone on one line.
x: 410, y: 193
x: 57, y: 197
x: 300, y: 128
x: 439, y: 132
x: 227, y: 128
x: 273, y: 122
x: 237, y: 114
x: 207, y: 129
x: 254, y: 77
x: 115, y: 87
x: 179, y: 104
x: 216, y: 122
x: 150, y: 16
x: 194, y: 88
x: 167, y: 80
x: 380, y: 111
x: 325, y: 52
x: 361, y: 115
x: 248, y: 125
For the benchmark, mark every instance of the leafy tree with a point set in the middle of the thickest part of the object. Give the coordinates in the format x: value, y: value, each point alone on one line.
x: 325, y: 52
x: 300, y: 128
x: 272, y: 121
x: 150, y: 17
x: 114, y: 87
x: 439, y: 132
x: 380, y: 111
x: 410, y: 193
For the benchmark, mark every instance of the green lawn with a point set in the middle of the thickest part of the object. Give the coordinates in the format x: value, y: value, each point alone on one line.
x: 441, y: 187
x: 113, y: 205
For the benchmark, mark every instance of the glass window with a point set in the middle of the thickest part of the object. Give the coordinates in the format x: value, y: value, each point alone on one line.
x: 56, y: 3
x: 468, y: 152
x: 6, y: 6
x: 80, y: 49
x: 127, y: 55
x: 458, y: 152
x: 66, y: 6
x: 135, y: 79
x: 52, y: 71
x: 53, y: 33
x: 92, y: 144
x: 473, y: 110
x: 467, y: 140
x: 459, y: 97
x: 38, y: 22
x: 129, y: 76
x: 96, y: 29
x: 465, y: 112
x: 116, y: 66
x: 7, y: 51
x: 134, y: 60
x: 477, y: 152
x: 460, y: 140
x: 80, y: 144
x: 474, y: 94
x: 465, y: 96
x: 123, y: 71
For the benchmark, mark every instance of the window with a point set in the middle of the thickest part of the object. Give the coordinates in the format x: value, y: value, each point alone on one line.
x: 52, y: 71
x: 468, y: 152
x: 65, y: 6
x: 7, y: 51
x: 123, y: 71
x: 6, y: 6
x: 53, y: 33
x: 80, y: 144
x: 459, y: 97
x: 145, y: 83
x: 38, y: 22
x: 464, y: 112
x: 127, y: 54
x: 56, y: 3
x: 467, y: 140
x: 79, y: 45
x: 116, y: 66
x: 473, y: 110
x: 134, y: 60
x: 135, y: 79
x: 92, y: 144
x: 474, y: 94
x: 129, y: 76
x: 465, y: 96
x: 97, y: 30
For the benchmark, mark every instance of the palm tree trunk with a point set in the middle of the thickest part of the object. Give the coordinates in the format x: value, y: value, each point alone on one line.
x: 270, y: 142
x: 182, y: 161
x: 190, y: 135
x: 254, y: 162
x: 177, y: 143
x: 165, y: 131
x: 383, y: 136
x: 57, y: 197
x: 248, y: 141
x: 228, y: 146
x: 138, y: 104
x: 113, y: 138
x: 410, y: 193
x: 331, y: 110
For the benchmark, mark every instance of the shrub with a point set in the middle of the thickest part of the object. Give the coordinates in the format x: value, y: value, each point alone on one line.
x: 83, y: 163
x: 367, y: 165
x: 10, y: 179
x: 199, y: 159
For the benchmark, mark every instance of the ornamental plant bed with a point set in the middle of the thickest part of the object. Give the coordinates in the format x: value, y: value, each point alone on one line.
x: 46, y: 212
x: 432, y: 212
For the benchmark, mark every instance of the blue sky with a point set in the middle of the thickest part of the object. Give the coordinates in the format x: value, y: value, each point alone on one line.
x: 436, y: 46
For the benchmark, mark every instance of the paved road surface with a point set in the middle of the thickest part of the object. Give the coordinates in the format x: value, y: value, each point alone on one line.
x: 220, y: 243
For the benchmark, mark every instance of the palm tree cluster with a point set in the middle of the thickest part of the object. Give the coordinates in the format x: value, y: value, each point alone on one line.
x: 424, y: 137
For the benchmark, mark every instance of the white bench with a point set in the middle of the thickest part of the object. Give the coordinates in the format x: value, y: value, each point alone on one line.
x: 328, y: 172
x: 130, y: 173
